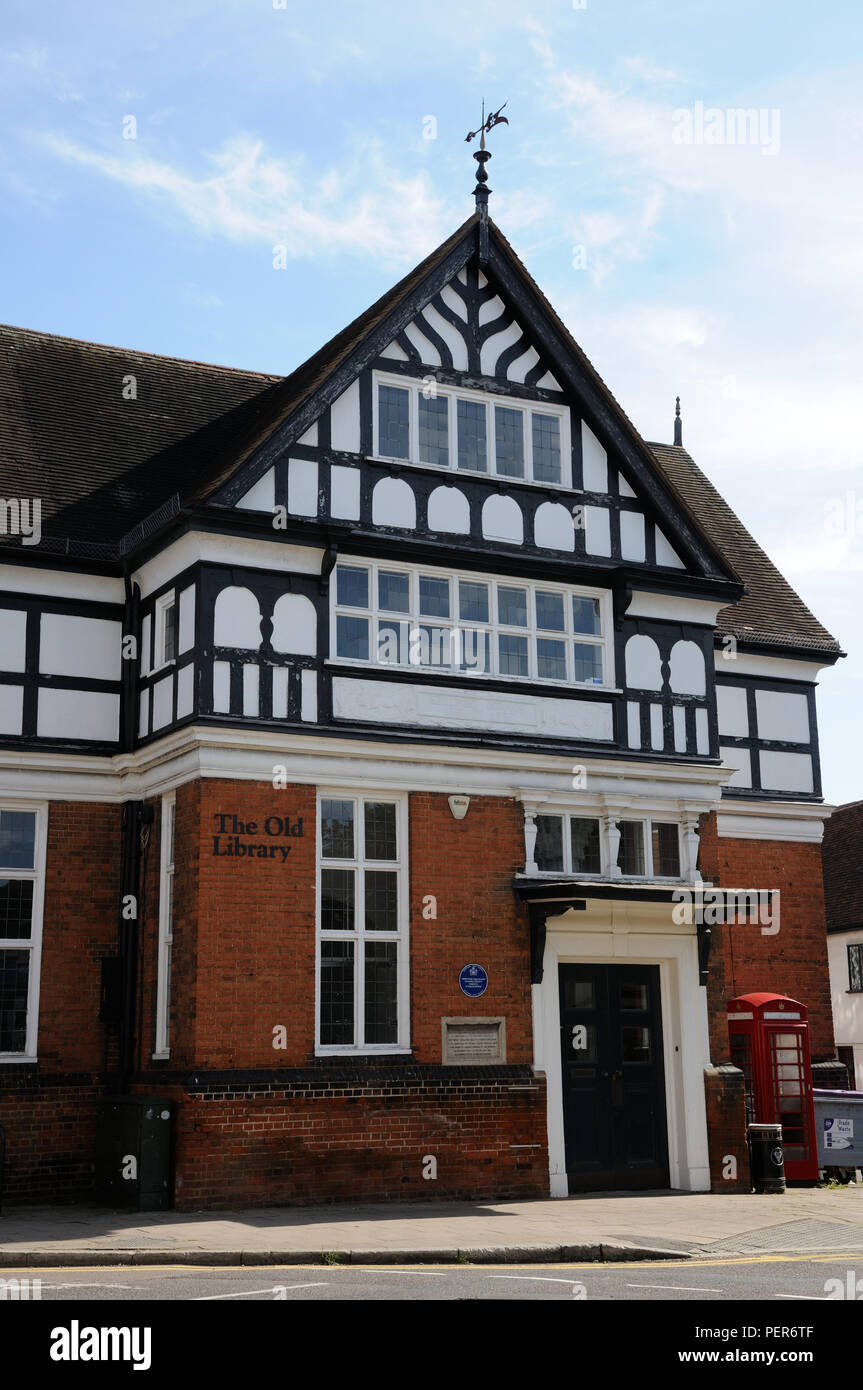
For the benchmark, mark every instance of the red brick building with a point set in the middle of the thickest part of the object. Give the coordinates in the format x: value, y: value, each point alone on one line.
x: 363, y: 736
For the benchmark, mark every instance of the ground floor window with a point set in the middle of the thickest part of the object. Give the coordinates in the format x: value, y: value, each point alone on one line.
x: 362, y: 923
x: 22, y: 876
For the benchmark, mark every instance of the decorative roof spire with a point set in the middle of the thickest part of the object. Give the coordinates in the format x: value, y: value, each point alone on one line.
x: 678, y: 425
x: 482, y: 155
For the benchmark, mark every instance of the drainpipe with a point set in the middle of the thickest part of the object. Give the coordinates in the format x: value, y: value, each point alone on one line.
x: 136, y: 814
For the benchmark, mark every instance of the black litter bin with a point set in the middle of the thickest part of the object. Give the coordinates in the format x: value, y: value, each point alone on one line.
x: 766, y: 1158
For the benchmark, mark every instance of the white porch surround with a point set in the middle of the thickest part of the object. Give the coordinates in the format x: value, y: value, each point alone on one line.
x: 610, y: 932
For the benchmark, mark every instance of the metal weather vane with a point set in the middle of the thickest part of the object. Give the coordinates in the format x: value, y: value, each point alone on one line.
x: 487, y: 125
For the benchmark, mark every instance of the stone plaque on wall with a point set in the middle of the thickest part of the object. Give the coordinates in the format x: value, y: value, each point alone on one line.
x: 473, y: 1042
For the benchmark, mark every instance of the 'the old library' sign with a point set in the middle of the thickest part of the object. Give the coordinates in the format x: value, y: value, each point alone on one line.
x: 231, y: 839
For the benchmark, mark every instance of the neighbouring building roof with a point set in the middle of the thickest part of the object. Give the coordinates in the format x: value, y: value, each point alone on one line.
x: 842, y: 858
x: 102, y: 463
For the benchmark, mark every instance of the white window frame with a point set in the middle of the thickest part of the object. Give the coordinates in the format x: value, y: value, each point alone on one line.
x: 33, y: 944
x: 645, y: 821
x: 359, y: 935
x: 604, y: 640
x: 160, y: 613
x: 164, y: 965
x: 453, y: 393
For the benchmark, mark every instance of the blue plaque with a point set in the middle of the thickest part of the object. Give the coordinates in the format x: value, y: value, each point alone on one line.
x: 473, y: 981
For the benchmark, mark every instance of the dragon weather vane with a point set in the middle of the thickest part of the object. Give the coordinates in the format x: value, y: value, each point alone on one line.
x: 481, y: 155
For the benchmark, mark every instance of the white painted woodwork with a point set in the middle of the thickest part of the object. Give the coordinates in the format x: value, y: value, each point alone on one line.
x: 280, y: 692
x: 13, y: 639
x: 782, y: 715
x: 261, y: 496
x: 518, y: 370
x: 553, y: 528
x: 451, y: 336
x: 11, y: 709
x: 678, y: 716
x: 309, y: 696
x: 594, y: 461
x: 633, y: 724
x: 687, y: 675
x: 494, y: 346
x: 222, y: 687
x: 251, y: 691
x: 71, y: 646
x: 643, y: 663
x: 597, y: 531
x: 395, y: 352
x: 786, y: 772
x: 428, y: 353
x: 310, y: 436
x: 454, y: 301
x: 146, y: 629
x: 186, y: 625
x: 665, y: 553
x: 163, y: 702
x: 548, y: 383
x: 78, y: 714
x: 731, y: 711
x: 702, y: 732
x: 491, y: 310
x: 185, y: 690
x: 657, y: 731
x: 345, y: 493
x: 738, y: 758
x: 144, y: 714
x: 303, y: 487
x: 623, y: 487
x: 237, y: 620
x: 632, y: 542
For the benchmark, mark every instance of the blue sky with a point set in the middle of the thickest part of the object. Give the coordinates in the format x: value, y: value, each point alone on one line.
x: 729, y: 273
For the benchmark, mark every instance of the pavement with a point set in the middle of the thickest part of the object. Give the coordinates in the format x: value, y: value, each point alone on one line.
x: 608, y: 1227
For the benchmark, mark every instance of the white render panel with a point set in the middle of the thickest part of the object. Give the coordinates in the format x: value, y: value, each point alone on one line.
x: 221, y: 687
x: 678, y: 715
x: 454, y: 301
x: 280, y: 692
x: 251, y: 691
x: 310, y: 436
x: 776, y: 667
x: 185, y: 690
x: 80, y: 646
x: 295, y: 625
x: 394, y: 504
x: 683, y: 610
x: 261, y: 496
x: 548, y: 383
x: 597, y: 531
x: 451, y: 336
x: 11, y: 709
x: 449, y: 510
x: 688, y: 676
x: 145, y: 644
x: 632, y: 545
x: 553, y: 527
x: 494, y: 346
x: 782, y: 715
x: 22, y: 579
x: 518, y: 370
x: 396, y: 353
x: 657, y: 731
x: 665, y: 553
x: 490, y: 310
x: 429, y: 354
x: 643, y: 663
x: 786, y: 772
x: 186, y: 629
x: 309, y: 696
x: 345, y: 493
x: 702, y: 732
x: 237, y: 619
x: 13, y: 639
x: 624, y: 488
x: 345, y: 420
x: 303, y: 487
x: 731, y: 711
x: 633, y: 723
x: 595, y: 461
x: 502, y: 519
x: 163, y: 701
x: 738, y: 758
x: 388, y: 702
x: 78, y: 714
x: 144, y: 714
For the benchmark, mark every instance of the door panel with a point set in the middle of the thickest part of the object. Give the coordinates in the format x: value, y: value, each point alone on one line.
x: 613, y: 1077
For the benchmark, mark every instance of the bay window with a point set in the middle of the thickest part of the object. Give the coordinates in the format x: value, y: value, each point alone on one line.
x: 471, y: 431
x: 579, y: 844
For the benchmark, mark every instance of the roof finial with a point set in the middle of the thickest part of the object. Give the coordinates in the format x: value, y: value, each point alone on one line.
x: 482, y: 155
x: 678, y: 424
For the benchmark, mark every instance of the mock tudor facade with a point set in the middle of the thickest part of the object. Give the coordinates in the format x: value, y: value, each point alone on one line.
x: 360, y: 732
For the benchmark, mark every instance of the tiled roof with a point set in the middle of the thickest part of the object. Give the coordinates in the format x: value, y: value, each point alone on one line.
x: 842, y: 858
x: 102, y: 463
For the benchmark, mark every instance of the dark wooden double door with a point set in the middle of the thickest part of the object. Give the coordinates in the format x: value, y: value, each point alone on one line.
x: 613, y: 1077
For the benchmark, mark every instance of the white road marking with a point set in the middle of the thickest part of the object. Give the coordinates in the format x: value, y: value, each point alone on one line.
x: 681, y: 1288
x: 249, y: 1293
x: 533, y: 1278
x: 810, y: 1297
x: 86, y: 1285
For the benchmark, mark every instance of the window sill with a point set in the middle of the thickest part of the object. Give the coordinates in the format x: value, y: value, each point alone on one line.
x: 160, y: 1056
x: 323, y: 1052
x: 17, y: 1058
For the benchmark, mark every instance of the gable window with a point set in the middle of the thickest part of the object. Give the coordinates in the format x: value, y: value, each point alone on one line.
x: 470, y: 625
x: 855, y: 968
x: 362, y: 924
x: 21, y: 894
x: 471, y: 432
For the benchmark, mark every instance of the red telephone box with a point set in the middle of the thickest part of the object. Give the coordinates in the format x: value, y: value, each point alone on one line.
x: 769, y: 1036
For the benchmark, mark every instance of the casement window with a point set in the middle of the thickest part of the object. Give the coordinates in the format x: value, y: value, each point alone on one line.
x: 362, y: 959
x: 470, y: 625
x: 471, y: 432
x: 165, y: 619
x: 166, y: 929
x: 855, y: 968
x: 22, y: 885
x: 571, y: 844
